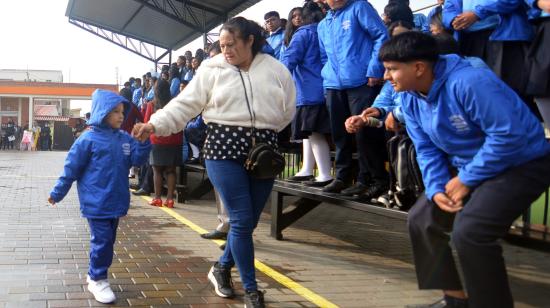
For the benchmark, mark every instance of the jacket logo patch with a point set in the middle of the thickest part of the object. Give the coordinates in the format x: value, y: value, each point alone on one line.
x: 126, y: 149
x: 346, y: 24
x: 459, y: 123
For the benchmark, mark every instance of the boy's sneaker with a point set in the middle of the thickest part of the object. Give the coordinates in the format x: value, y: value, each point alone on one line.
x: 220, y: 277
x: 254, y: 299
x: 101, y: 290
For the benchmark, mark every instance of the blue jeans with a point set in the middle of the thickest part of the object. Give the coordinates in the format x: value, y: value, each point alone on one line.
x: 244, y: 199
x: 102, y: 242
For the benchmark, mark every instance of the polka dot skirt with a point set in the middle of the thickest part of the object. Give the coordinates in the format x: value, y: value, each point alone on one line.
x: 233, y: 142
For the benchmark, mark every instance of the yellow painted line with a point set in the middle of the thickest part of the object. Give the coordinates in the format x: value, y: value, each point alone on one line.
x: 262, y: 267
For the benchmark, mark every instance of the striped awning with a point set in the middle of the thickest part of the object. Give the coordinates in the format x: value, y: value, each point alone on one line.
x: 51, y: 118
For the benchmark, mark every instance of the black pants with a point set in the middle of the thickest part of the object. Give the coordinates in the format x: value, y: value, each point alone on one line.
x: 475, y: 44
x: 487, y: 216
x: 145, y: 180
x: 371, y: 147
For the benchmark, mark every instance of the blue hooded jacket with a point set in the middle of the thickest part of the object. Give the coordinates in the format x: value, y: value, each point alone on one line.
x: 349, y: 41
x: 513, y: 25
x: 472, y: 121
x: 99, y: 161
x: 275, y: 40
x: 303, y: 59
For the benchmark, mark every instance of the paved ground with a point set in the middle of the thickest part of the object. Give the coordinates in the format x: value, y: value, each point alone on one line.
x: 349, y: 258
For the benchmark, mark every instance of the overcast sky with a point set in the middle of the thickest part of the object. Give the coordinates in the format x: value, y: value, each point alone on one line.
x: 36, y: 34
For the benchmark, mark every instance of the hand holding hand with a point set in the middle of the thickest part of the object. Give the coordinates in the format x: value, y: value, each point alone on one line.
x: 445, y: 203
x: 354, y: 123
x: 142, y: 131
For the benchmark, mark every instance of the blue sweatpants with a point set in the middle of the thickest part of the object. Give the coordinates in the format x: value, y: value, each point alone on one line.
x: 103, y: 237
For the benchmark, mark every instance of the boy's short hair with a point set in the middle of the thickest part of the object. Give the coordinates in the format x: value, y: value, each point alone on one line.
x: 409, y: 46
x: 271, y: 14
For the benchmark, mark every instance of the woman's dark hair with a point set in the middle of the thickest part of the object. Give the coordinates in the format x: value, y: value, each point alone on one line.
x: 446, y: 44
x: 174, y: 72
x: 400, y: 23
x: 215, y: 47
x: 312, y: 13
x: 395, y: 12
x: 290, y: 28
x: 437, y: 19
x: 243, y: 29
x: 162, y: 94
x: 409, y: 46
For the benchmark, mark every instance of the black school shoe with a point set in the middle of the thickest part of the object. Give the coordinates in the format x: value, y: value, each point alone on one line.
x: 141, y: 192
x: 314, y: 183
x: 254, y: 299
x: 300, y: 178
x: 335, y: 187
x: 214, y: 235
x: 220, y: 277
x: 357, y: 189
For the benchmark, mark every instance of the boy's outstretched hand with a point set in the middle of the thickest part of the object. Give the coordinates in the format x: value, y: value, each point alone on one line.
x: 51, y: 201
x: 142, y: 131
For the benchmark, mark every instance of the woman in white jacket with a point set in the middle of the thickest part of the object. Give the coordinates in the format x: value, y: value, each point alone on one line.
x: 221, y: 90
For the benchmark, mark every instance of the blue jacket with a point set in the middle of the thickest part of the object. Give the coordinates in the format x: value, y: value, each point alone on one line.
x: 175, y: 87
x: 388, y: 101
x: 453, y: 8
x: 349, y: 41
x: 136, y: 96
x: 275, y: 40
x: 472, y: 121
x: 513, y: 25
x: 421, y: 22
x: 303, y: 59
x: 99, y: 161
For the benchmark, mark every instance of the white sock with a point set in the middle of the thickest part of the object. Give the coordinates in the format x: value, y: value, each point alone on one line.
x: 321, y: 151
x: 308, y: 161
x: 195, y: 150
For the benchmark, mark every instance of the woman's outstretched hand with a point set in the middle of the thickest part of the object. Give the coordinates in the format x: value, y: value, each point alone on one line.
x: 142, y: 131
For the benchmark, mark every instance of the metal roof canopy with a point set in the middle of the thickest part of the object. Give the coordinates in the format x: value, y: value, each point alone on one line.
x: 152, y: 28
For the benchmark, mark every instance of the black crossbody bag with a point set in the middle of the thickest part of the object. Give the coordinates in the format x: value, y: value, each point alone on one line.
x: 263, y: 161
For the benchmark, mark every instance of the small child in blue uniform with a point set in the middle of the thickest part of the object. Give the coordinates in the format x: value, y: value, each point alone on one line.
x: 99, y: 161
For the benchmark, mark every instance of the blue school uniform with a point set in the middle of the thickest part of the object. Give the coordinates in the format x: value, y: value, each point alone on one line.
x: 472, y: 121
x: 349, y: 41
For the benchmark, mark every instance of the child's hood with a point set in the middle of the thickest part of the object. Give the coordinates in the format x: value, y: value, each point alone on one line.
x: 103, y: 102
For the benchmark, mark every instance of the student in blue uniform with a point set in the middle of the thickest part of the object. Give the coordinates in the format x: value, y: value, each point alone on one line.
x: 349, y: 39
x: 99, y: 162
x: 483, y: 164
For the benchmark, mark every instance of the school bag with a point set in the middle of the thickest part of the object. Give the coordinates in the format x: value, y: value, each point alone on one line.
x: 405, y: 177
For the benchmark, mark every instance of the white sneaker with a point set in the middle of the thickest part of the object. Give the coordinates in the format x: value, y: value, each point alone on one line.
x: 101, y: 290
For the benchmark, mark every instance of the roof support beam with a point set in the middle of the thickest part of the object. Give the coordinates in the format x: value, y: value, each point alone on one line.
x: 169, y: 13
x: 142, y: 49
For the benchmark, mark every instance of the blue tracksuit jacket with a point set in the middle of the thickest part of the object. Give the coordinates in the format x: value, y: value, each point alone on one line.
x: 349, y: 41
x: 303, y: 59
x: 472, y: 121
x: 99, y: 162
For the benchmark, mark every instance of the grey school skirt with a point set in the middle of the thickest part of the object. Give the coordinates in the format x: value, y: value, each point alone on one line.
x: 165, y: 155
